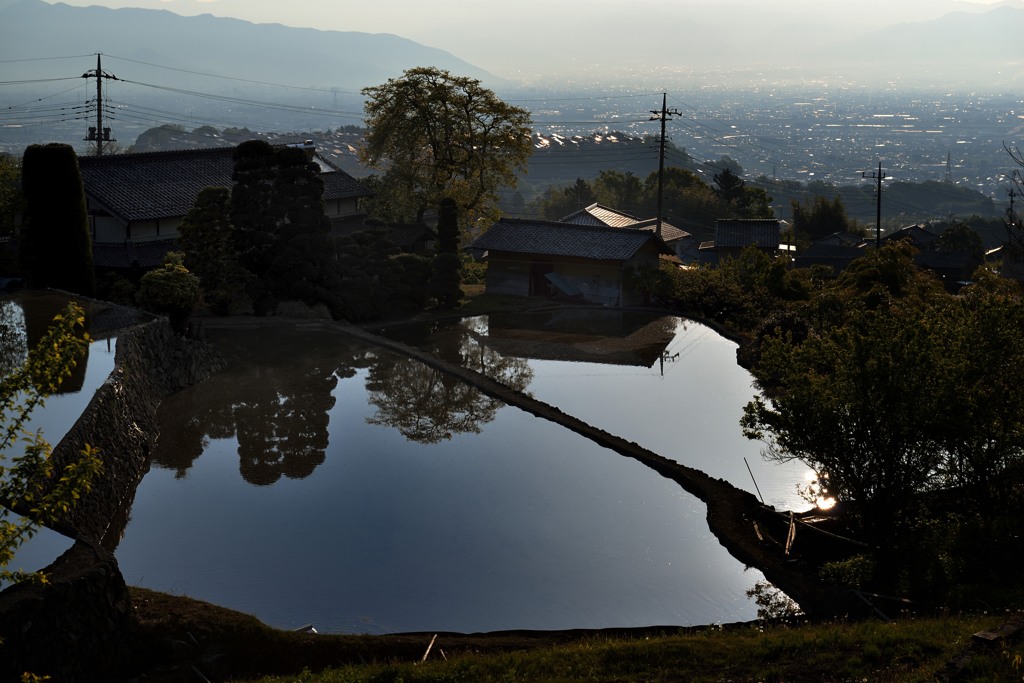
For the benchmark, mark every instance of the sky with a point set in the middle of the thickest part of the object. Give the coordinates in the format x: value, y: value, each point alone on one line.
x: 511, y: 39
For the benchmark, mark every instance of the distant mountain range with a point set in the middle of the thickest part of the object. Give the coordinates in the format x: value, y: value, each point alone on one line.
x: 265, y: 53
x: 665, y: 45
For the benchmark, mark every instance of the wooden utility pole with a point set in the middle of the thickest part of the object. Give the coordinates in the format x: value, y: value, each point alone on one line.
x: 98, y: 133
x: 663, y: 117
x: 878, y: 178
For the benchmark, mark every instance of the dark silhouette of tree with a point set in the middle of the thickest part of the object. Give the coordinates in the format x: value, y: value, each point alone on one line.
x: 729, y: 186
x: 11, y: 199
x: 436, y: 135
x: 619, y: 190
x: 207, y: 240
x: 959, y: 237
x: 55, y: 240
x: 170, y: 290
x: 445, y: 278
x: 559, y: 202
x: 818, y: 218
x: 281, y: 229
x: 255, y: 225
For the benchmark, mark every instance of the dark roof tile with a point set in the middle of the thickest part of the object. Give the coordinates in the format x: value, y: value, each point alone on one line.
x: 565, y: 239
x: 151, y: 185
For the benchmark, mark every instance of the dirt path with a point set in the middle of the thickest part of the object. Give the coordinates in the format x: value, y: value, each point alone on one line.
x: 732, y: 512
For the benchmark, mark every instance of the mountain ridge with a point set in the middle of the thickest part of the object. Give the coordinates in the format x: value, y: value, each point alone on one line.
x: 275, y: 53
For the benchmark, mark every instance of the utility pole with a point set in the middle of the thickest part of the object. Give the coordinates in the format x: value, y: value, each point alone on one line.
x: 98, y: 133
x: 663, y: 117
x: 878, y: 178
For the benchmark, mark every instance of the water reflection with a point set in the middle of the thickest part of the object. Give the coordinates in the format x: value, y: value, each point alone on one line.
x: 24, y: 319
x: 428, y: 406
x: 426, y: 507
x: 667, y: 383
x: 516, y: 524
x: 274, y: 398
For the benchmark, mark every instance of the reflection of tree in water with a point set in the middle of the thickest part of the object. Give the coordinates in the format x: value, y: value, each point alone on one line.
x: 275, y: 399
x: 283, y: 428
x: 23, y: 322
x: 429, y: 406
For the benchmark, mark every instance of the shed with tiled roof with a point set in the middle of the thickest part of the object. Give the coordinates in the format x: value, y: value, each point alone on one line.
x: 550, y: 258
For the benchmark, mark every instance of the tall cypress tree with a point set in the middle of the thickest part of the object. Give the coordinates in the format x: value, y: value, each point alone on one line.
x: 55, y: 241
x: 206, y: 238
x: 255, y: 226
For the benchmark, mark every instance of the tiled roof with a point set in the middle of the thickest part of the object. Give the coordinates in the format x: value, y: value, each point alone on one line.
x: 743, y: 232
x: 669, y: 232
x: 155, y: 185
x: 596, y: 214
x: 565, y: 239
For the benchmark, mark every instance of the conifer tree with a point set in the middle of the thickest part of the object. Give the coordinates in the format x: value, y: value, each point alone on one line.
x: 55, y: 240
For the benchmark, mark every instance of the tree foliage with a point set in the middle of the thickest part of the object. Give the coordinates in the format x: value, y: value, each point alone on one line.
x: 900, y: 390
x: 207, y: 239
x: 55, y: 239
x: 687, y: 199
x: 281, y: 229
x: 11, y: 200
x: 436, y: 135
x: 445, y: 276
x: 820, y: 217
x: 960, y: 237
x: 29, y: 479
x: 170, y: 290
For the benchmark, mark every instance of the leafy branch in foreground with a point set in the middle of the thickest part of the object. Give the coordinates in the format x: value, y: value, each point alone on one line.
x: 25, y: 477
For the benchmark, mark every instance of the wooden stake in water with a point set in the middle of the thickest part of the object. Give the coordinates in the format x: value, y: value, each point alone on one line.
x: 753, y: 480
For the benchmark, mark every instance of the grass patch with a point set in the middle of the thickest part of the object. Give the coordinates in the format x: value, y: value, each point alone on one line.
x: 226, y: 645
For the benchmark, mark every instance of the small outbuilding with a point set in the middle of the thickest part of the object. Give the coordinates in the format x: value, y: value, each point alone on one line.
x: 587, y: 263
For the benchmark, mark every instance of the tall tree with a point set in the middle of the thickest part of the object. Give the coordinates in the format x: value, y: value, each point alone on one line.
x: 819, y: 217
x: 207, y: 240
x: 620, y: 190
x: 436, y: 135
x: 255, y: 226
x: 301, y: 267
x: 55, y: 239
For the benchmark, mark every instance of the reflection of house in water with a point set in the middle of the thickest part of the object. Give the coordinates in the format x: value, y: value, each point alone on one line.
x: 583, y: 335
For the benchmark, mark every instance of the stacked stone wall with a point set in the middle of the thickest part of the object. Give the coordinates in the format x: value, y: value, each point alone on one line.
x: 78, y: 626
x: 151, y: 363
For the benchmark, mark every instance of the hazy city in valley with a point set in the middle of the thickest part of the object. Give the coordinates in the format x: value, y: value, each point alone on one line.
x: 797, y: 92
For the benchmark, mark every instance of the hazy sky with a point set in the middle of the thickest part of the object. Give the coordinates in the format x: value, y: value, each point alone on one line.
x: 523, y: 35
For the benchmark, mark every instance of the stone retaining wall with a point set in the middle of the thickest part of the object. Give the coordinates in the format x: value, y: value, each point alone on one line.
x: 79, y: 625
x: 151, y: 362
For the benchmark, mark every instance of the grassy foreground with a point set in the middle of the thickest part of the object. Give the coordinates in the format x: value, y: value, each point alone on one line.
x: 227, y: 645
